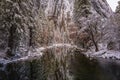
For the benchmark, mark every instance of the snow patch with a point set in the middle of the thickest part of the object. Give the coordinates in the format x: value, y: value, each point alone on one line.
x: 56, y: 45
x: 37, y: 53
x: 107, y: 54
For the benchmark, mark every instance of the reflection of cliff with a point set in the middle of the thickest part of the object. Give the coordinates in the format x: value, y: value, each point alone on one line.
x: 68, y: 65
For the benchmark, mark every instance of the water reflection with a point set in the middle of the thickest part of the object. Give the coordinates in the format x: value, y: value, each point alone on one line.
x: 67, y: 67
x: 96, y: 69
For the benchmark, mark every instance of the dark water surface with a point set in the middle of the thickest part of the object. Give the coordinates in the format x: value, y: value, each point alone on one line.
x: 95, y: 69
x: 81, y: 68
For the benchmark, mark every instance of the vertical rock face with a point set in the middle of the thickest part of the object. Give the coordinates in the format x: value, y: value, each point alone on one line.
x: 33, y: 23
x: 102, y: 8
x: 20, y: 23
x: 92, y: 16
x: 92, y: 7
x: 44, y: 22
x: 118, y: 8
x: 59, y: 14
x: 114, y: 30
x: 16, y: 19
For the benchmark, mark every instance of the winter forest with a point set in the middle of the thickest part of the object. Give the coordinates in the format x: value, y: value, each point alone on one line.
x: 59, y: 40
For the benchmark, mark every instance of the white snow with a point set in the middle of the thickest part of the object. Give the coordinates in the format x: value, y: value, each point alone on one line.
x: 38, y: 52
x: 107, y: 54
x: 56, y: 45
x: 9, y: 0
x: 67, y: 5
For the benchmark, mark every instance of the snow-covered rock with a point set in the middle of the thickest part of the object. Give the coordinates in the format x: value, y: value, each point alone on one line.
x: 107, y: 54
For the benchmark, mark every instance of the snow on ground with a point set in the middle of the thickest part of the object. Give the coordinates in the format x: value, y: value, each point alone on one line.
x: 56, y: 45
x: 37, y: 53
x: 107, y: 54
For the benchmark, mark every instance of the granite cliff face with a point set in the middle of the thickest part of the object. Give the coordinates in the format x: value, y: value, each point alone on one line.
x: 41, y: 23
x: 41, y: 38
x: 18, y: 24
x: 91, y: 14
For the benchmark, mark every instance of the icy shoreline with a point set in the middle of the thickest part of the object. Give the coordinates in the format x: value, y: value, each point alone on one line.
x: 107, y: 54
x: 38, y: 53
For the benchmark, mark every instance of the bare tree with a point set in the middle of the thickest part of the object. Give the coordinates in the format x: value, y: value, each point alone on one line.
x: 93, y: 32
x: 96, y: 31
